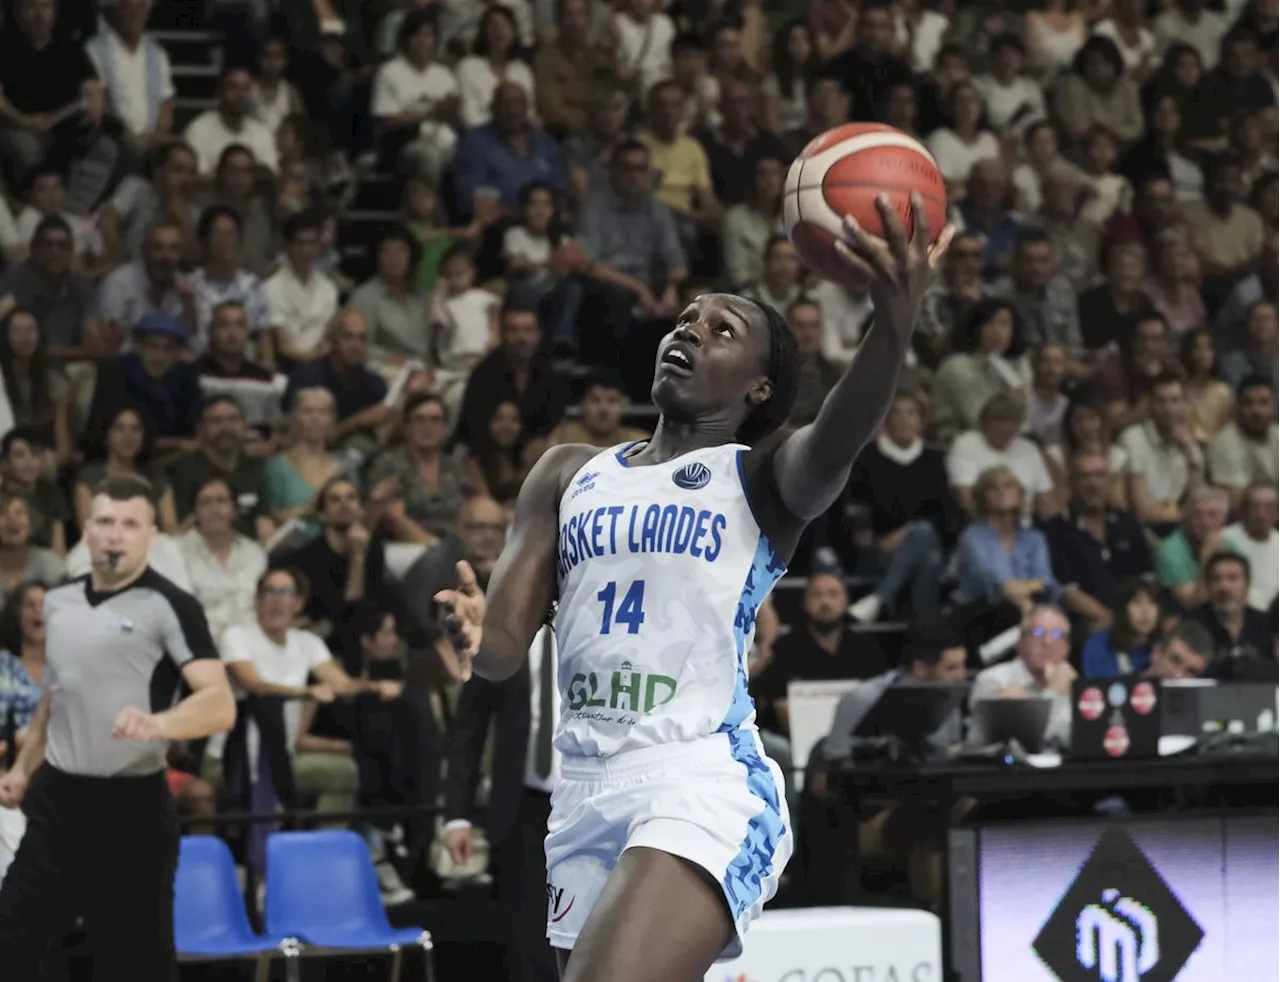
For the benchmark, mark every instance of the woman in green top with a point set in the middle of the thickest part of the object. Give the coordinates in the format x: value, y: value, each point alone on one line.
x: 294, y: 477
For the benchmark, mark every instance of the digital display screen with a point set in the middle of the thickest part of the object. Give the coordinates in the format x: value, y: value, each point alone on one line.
x: 1196, y: 900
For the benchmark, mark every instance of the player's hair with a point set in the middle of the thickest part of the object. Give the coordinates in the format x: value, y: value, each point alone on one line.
x: 124, y: 489
x: 783, y: 370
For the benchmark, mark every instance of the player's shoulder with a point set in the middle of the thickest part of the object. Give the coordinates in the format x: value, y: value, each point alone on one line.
x: 72, y: 591
x: 182, y: 603
x: 558, y: 466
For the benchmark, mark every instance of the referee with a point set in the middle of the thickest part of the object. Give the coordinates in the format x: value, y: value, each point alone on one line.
x: 102, y: 831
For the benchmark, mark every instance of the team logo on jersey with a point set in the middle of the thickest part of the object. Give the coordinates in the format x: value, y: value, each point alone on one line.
x: 691, y: 477
x: 585, y: 483
x: 625, y: 690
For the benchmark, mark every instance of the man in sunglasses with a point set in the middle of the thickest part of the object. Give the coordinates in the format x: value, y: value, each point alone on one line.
x: 1040, y: 671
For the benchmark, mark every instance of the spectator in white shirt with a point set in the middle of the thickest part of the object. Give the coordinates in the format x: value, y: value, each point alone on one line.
x: 846, y: 313
x: 964, y: 141
x: 300, y: 300
x: 1255, y: 538
x: 1188, y: 22
x: 46, y: 196
x: 1165, y: 461
x: 642, y: 36
x: 223, y: 565
x: 273, y: 96
x: 229, y: 123
x: 1013, y: 100
x: 1040, y: 671
x: 495, y: 59
x: 996, y: 443
x: 220, y: 279
x: 136, y: 72
x: 416, y: 100
x: 268, y: 656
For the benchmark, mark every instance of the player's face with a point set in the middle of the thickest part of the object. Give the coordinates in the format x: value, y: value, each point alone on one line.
x: 119, y: 534
x: 712, y: 364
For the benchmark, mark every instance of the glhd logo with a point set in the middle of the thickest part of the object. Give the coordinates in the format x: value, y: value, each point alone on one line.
x: 1118, y: 921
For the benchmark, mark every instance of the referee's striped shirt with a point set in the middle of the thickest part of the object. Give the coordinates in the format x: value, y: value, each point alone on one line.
x: 106, y: 651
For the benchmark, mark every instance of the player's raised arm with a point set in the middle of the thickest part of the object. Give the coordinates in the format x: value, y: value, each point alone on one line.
x: 812, y: 465
x: 523, y: 583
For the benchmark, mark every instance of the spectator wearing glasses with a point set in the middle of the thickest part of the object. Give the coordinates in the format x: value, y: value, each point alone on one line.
x: 1040, y: 671
x: 1238, y: 630
x: 1124, y: 648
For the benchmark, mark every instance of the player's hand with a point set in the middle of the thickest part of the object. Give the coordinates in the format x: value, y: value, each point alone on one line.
x: 134, y: 724
x: 900, y: 266
x: 13, y: 786
x: 465, y: 620
x: 461, y: 843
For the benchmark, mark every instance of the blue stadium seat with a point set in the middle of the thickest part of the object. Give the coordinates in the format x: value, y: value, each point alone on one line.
x: 322, y: 889
x: 209, y: 918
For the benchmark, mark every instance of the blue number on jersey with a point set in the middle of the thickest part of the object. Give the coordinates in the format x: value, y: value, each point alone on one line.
x: 630, y: 611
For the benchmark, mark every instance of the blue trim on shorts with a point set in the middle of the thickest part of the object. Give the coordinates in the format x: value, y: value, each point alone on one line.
x: 765, y: 570
x: 744, y: 878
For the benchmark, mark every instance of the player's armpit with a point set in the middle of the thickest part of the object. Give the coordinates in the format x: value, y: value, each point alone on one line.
x: 524, y: 580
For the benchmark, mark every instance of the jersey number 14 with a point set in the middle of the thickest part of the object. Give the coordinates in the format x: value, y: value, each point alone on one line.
x: 630, y: 612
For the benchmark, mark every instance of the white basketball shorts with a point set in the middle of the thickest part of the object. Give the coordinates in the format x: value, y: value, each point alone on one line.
x: 717, y: 802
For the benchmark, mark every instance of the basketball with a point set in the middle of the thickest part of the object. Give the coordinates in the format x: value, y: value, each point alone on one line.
x: 841, y: 173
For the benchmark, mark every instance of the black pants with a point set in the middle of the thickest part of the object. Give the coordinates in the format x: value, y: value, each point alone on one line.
x: 104, y: 849
x: 522, y: 892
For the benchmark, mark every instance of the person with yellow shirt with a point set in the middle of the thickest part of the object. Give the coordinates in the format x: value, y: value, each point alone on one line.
x: 683, y: 172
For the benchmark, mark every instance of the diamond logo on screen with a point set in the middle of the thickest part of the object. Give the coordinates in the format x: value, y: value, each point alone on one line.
x: 1118, y: 921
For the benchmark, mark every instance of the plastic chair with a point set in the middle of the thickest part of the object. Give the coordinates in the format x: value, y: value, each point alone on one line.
x: 209, y: 918
x: 322, y: 889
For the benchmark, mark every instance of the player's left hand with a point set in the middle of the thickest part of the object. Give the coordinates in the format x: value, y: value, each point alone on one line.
x: 134, y: 724
x: 900, y: 266
x: 465, y: 620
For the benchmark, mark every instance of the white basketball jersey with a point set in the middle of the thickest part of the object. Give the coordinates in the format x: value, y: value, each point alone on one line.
x: 661, y: 569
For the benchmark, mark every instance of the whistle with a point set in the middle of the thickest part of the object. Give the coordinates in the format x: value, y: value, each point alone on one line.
x: 113, y: 558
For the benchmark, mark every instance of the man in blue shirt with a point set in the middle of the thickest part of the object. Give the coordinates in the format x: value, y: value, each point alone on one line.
x: 506, y: 154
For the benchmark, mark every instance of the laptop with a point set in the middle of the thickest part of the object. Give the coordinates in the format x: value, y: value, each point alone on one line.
x: 1004, y: 720
x: 1116, y: 719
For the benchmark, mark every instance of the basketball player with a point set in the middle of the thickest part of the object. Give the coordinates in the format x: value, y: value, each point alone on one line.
x: 669, y: 827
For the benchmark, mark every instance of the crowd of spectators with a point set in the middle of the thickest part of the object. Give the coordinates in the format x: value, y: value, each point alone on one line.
x: 332, y: 408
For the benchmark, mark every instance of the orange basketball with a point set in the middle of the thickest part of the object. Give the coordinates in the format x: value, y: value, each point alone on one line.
x: 841, y: 173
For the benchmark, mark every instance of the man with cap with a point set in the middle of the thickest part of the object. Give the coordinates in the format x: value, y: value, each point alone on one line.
x: 155, y: 380
x: 102, y: 834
